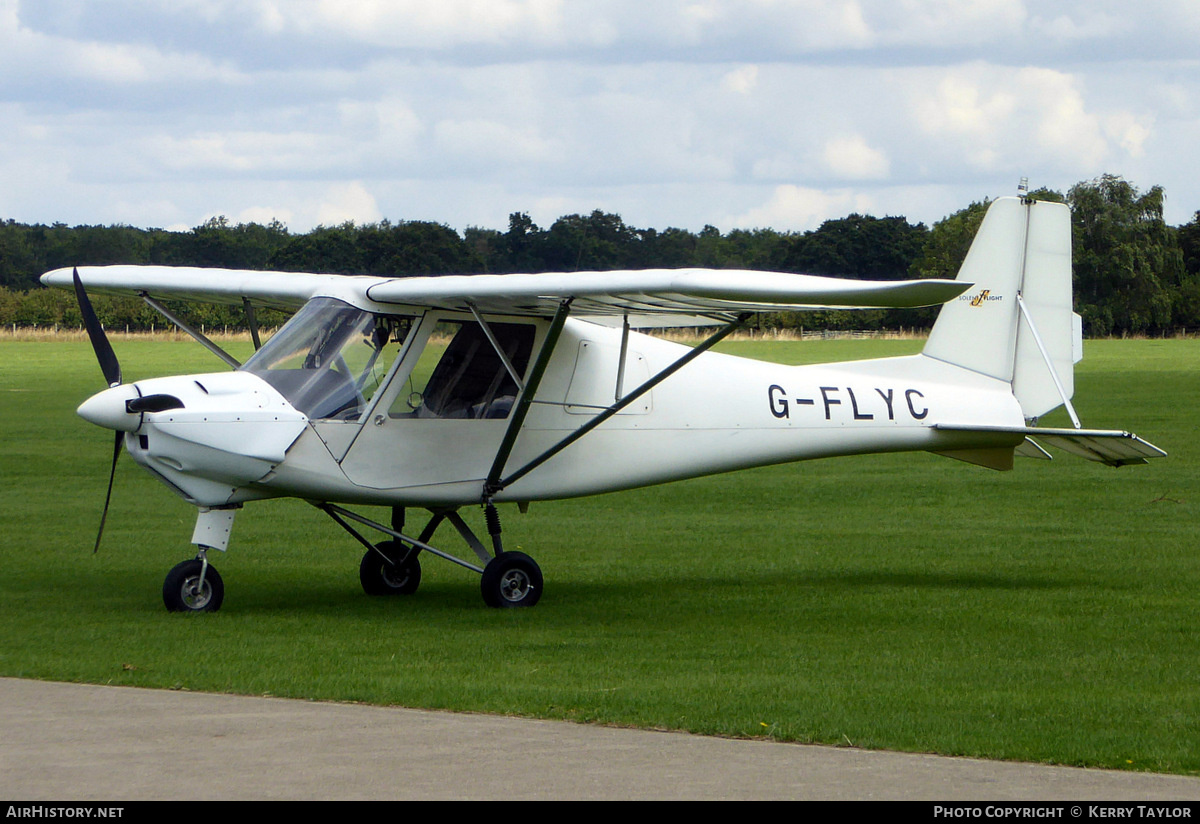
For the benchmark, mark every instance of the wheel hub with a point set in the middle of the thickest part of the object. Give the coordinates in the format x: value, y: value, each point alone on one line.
x: 514, y: 585
x: 194, y: 595
x: 395, y: 575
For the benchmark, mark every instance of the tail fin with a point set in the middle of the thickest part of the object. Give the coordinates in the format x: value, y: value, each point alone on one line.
x: 1016, y: 323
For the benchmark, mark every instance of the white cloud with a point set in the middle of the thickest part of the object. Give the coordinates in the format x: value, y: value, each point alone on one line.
x: 242, y: 153
x: 777, y: 167
x: 851, y: 157
x: 798, y: 208
x: 41, y: 58
x: 418, y: 23
x: 1128, y: 132
x: 741, y: 80
x: 155, y: 111
x: 934, y: 22
x: 960, y: 106
x: 1077, y: 24
x: 990, y: 116
x: 348, y: 201
x: 1063, y: 123
x: 387, y: 118
x: 486, y: 142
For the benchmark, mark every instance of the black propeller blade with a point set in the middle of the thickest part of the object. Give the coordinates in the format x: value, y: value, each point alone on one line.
x: 112, y: 473
x: 112, y: 374
x: 104, y: 352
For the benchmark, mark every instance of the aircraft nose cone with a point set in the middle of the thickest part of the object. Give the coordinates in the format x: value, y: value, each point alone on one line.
x: 107, y: 409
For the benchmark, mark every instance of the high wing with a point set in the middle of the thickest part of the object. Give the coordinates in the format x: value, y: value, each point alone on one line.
x: 707, y: 292
x: 661, y: 291
x: 280, y: 290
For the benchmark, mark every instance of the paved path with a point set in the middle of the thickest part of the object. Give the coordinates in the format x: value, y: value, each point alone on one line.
x: 78, y: 742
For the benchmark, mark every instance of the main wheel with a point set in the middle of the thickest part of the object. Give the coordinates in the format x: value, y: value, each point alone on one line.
x: 511, y: 579
x: 182, y: 591
x: 399, y: 574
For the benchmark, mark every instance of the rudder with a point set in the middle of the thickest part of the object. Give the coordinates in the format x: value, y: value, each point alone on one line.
x: 1020, y: 265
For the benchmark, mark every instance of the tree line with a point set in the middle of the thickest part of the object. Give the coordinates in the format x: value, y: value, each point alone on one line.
x: 1134, y: 274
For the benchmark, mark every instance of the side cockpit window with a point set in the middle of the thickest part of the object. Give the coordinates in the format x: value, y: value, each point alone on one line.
x: 468, y: 379
x: 331, y: 358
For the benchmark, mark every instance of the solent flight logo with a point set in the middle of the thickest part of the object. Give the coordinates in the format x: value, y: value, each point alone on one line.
x: 984, y: 296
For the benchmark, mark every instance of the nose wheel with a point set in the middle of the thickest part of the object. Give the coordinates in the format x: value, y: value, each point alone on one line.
x: 193, y: 586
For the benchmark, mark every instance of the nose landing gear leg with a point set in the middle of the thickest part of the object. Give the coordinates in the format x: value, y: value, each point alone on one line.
x: 195, y: 585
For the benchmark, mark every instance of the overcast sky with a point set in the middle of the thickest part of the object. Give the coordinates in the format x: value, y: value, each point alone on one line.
x: 760, y: 113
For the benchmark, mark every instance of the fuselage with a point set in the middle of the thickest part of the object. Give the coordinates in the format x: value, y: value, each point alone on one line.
x: 362, y: 405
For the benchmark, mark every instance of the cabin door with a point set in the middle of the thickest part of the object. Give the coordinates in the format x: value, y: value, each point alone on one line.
x: 443, y: 417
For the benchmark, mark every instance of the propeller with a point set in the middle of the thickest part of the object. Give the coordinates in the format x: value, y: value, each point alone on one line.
x: 104, y: 351
x: 112, y: 473
x: 112, y: 374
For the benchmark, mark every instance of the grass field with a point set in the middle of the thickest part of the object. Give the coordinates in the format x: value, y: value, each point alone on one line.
x: 905, y: 602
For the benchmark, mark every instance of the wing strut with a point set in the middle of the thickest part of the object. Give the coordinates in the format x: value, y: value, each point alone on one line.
x: 252, y: 322
x: 621, y: 362
x: 493, y: 486
x: 200, y: 338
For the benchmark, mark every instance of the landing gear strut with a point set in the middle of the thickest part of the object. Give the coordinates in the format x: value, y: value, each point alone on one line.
x: 392, y: 567
x: 195, y: 586
x: 509, y: 579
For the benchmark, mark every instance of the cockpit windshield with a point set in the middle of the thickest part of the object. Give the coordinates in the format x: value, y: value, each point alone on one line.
x: 330, y: 358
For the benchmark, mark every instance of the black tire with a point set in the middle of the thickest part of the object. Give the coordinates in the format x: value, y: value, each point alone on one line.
x: 180, y: 593
x: 400, y: 577
x: 511, y: 579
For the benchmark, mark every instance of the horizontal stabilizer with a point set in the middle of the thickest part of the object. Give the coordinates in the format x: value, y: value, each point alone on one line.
x: 1107, y: 446
x: 1111, y: 448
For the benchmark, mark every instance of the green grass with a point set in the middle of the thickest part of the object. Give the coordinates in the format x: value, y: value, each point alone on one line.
x: 905, y: 602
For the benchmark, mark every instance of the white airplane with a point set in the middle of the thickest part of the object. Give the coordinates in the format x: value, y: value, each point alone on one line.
x: 544, y: 391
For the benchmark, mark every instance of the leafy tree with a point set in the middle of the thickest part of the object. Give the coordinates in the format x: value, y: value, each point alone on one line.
x: 859, y: 246
x: 596, y: 242
x: 1188, y: 236
x: 217, y: 243
x: 325, y: 250
x: 1134, y: 273
x: 670, y: 248
x: 486, y: 248
x: 18, y: 262
x: 750, y: 248
x: 1186, y: 305
x: 521, y: 246
x: 947, y: 244
x: 417, y: 248
x: 1128, y: 264
x: 1047, y: 194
